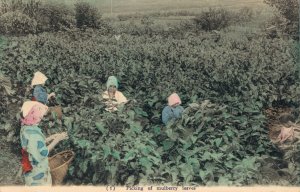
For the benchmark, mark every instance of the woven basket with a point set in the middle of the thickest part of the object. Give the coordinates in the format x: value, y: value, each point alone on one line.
x: 59, y: 164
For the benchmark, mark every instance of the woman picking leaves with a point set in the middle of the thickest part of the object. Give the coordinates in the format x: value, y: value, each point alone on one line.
x: 173, y: 110
x: 34, y: 150
x: 113, y: 98
x: 39, y: 92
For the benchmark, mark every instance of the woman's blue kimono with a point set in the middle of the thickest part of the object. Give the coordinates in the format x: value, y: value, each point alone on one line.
x: 169, y: 113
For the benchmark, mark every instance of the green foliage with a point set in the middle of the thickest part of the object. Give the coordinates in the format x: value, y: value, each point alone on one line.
x: 243, y: 15
x: 5, y: 85
x: 214, y: 19
x: 47, y: 16
x: 54, y: 16
x: 217, y: 142
x: 115, y: 146
x: 5, y: 90
x: 28, y: 7
x: 31, y: 7
x: 86, y: 15
x: 220, y: 18
x: 130, y: 16
x: 289, y: 8
x: 17, y: 23
x: 289, y: 21
x: 12, y: 5
x: 214, y: 144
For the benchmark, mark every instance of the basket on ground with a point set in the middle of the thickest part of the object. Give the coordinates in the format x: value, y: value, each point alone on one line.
x: 59, y: 164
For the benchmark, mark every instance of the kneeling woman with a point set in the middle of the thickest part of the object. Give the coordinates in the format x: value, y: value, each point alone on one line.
x: 34, y: 150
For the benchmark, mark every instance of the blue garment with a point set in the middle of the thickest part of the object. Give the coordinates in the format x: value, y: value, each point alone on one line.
x: 40, y: 94
x: 169, y: 113
x: 34, y: 142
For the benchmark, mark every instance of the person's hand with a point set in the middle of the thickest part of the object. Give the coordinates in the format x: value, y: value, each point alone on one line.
x: 111, y: 109
x: 61, y: 136
x: 51, y: 95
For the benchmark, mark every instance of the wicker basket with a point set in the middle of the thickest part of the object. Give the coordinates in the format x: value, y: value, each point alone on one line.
x: 59, y: 165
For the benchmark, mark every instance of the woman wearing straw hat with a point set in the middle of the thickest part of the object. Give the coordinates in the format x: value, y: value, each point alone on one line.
x: 173, y: 110
x: 34, y: 150
x: 113, y: 98
x: 39, y: 92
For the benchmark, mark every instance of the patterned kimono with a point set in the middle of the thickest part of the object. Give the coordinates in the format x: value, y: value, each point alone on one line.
x: 34, y: 142
x: 34, y: 150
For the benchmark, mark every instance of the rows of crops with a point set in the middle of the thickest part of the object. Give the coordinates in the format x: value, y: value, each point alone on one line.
x: 220, y: 141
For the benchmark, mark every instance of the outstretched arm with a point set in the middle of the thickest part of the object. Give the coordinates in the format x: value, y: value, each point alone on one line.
x: 51, y: 137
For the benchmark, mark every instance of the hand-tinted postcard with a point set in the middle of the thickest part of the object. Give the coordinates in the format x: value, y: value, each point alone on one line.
x: 149, y: 95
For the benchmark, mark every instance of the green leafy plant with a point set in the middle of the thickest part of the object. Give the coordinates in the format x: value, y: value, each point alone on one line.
x: 214, y: 19
x: 86, y: 15
x: 220, y: 142
x: 54, y: 16
x: 288, y: 21
x: 17, y: 23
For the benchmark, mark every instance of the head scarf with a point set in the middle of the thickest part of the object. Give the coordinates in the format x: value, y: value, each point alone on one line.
x: 112, y: 80
x: 38, y: 79
x: 33, y: 112
x: 174, y: 99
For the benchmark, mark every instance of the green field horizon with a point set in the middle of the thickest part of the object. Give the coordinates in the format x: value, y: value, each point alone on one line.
x: 132, y: 6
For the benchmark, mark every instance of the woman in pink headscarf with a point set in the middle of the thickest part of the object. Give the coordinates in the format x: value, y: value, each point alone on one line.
x: 34, y: 149
x: 173, y: 110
